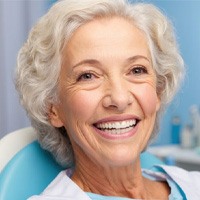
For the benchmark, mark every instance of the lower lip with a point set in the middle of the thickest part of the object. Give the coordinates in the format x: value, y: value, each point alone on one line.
x: 110, y: 136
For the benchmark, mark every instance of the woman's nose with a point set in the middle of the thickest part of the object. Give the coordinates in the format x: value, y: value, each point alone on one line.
x: 118, y: 97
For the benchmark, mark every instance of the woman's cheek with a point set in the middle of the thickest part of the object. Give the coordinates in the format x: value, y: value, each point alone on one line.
x: 148, y: 99
x: 83, y: 103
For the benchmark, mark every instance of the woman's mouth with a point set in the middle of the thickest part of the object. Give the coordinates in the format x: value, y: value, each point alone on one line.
x: 117, y: 128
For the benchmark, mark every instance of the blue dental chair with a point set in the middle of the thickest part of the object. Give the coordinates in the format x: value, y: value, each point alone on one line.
x: 28, y: 169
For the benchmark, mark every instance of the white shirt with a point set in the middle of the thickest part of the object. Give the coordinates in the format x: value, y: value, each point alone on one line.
x: 63, y: 188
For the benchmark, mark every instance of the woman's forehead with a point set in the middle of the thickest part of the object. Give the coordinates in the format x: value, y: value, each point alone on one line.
x: 115, y: 37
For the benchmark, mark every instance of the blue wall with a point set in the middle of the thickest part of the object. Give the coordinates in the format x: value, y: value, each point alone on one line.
x: 185, y: 16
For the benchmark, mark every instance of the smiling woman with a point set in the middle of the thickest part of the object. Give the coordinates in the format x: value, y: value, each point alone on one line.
x: 118, y: 87
x: 100, y: 74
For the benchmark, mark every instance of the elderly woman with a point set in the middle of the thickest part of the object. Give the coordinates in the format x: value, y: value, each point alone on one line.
x: 94, y: 78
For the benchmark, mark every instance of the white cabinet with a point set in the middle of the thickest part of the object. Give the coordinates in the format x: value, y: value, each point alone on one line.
x: 188, y: 159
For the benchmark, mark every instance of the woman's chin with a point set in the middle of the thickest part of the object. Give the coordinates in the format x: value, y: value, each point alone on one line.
x: 120, y: 159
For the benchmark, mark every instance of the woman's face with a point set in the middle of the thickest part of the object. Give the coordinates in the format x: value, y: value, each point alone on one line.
x: 107, y: 91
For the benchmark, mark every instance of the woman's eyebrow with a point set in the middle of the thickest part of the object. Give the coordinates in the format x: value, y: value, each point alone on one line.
x: 86, y: 61
x: 137, y: 57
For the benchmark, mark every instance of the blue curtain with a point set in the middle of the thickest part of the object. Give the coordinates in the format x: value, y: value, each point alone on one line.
x: 16, y: 19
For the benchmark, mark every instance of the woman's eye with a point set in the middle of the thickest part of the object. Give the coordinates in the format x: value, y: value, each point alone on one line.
x: 139, y: 70
x: 85, y: 76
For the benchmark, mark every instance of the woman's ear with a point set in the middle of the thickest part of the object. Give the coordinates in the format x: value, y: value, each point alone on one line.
x: 54, y: 117
x: 158, y: 104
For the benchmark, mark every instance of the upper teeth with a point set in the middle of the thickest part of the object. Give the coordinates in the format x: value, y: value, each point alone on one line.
x: 117, y: 125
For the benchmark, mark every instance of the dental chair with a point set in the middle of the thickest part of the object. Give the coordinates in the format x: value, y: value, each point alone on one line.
x: 26, y: 169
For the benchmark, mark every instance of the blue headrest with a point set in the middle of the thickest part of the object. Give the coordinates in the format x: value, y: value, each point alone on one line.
x: 28, y: 173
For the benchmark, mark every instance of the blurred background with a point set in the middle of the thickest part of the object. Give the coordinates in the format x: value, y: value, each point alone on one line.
x: 179, y: 124
x: 16, y: 20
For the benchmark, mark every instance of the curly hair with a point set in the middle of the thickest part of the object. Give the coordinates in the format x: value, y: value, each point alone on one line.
x: 39, y: 61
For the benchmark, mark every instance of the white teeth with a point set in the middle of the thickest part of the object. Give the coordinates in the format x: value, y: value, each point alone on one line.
x: 118, y: 131
x: 117, y: 125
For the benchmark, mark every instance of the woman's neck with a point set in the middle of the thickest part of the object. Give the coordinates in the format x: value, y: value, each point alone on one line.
x: 124, y: 181
x: 121, y: 181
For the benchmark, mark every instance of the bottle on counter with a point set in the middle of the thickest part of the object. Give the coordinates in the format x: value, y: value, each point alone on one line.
x: 187, y: 137
x: 195, y: 116
x: 175, y: 130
